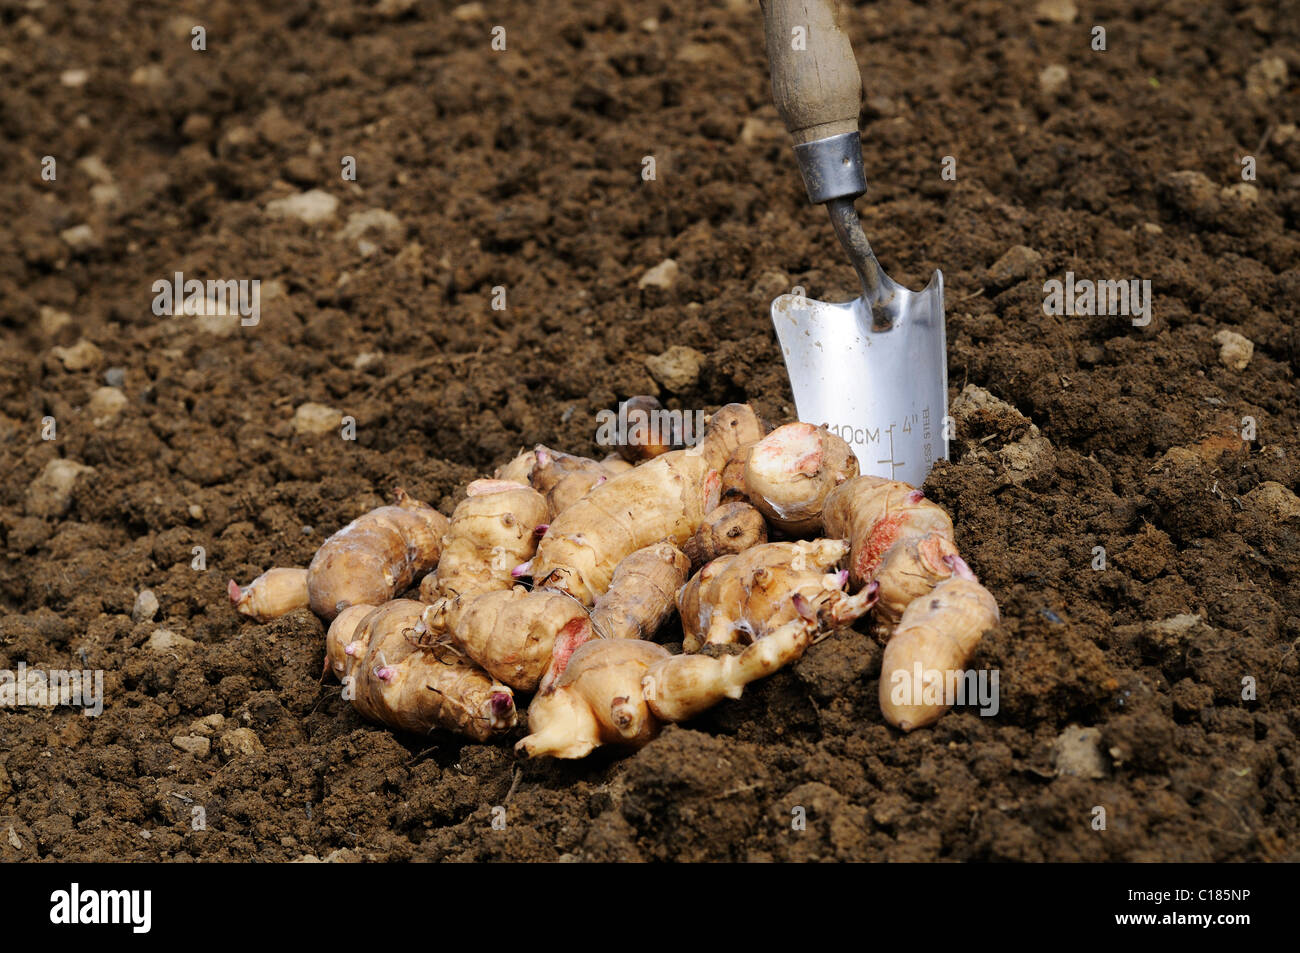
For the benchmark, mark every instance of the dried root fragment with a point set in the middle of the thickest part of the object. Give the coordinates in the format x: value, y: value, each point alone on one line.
x: 791, y: 471
x: 493, y: 530
x: 393, y: 680
x: 729, y: 529
x: 663, y: 499
x: 932, y: 645
x: 619, y: 691
x: 274, y: 593
x: 742, y: 598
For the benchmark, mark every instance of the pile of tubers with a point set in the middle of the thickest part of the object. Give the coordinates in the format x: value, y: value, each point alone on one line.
x: 611, y: 549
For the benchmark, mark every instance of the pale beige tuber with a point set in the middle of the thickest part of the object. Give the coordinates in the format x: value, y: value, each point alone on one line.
x: 791, y: 471
x: 391, y: 679
x: 525, y: 637
x: 729, y: 529
x: 619, y: 691
x: 367, y: 562
x: 492, y: 530
x: 903, y: 543
x: 742, y: 598
x: 666, y: 498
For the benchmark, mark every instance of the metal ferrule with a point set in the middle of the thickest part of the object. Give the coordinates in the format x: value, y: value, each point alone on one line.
x: 832, y: 167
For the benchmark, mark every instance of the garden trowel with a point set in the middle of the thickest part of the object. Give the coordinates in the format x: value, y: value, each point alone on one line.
x: 874, y: 369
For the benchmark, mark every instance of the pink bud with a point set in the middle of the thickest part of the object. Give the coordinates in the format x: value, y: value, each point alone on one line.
x: 502, y: 704
x: 804, y: 607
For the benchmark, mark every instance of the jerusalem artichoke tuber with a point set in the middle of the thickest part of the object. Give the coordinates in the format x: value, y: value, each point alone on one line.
x: 376, y: 556
x: 873, y: 514
x: 664, y: 498
x: 525, y: 638
x: 271, y: 595
x: 339, y: 637
x: 618, y: 691
x: 904, y: 543
x: 650, y: 430
x: 511, y: 633
x: 367, y: 562
x: 640, y: 596
x: 519, y: 469
x: 729, y: 529
x: 790, y: 472
x: 492, y: 530
x: 930, y: 648
x: 744, y: 597
x: 565, y: 478
x: 391, y: 679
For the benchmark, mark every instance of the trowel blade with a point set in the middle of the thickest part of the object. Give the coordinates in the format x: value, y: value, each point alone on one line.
x: 884, y: 392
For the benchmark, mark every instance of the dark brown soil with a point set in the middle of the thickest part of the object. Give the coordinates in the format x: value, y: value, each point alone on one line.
x: 522, y: 169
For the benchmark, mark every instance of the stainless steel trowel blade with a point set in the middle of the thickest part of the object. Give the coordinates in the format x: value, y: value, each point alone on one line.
x: 884, y: 392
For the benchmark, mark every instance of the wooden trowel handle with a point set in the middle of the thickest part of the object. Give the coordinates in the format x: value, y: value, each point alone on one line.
x: 815, y: 79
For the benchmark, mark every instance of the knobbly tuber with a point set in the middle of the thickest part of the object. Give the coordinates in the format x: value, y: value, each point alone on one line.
x: 391, y: 679
x: 936, y: 636
x: 492, y: 530
x: 367, y: 562
x: 525, y: 637
x: 620, y: 691
x: 600, y: 540
x: 518, y: 470
x: 641, y: 594
x: 650, y: 432
x: 339, y: 636
x: 877, y: 515
x: 729, y: 529
x: 733, y: 475
x: 271, y: 595
x: 903, y: 543
x: 790, y: 472
x: 565, y: 478
x: 744, y: 597
x: 511, y: 633
x: 664, y: 498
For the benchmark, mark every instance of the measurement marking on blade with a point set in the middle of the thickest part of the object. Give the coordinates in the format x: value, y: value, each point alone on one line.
x: 893, y: 465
